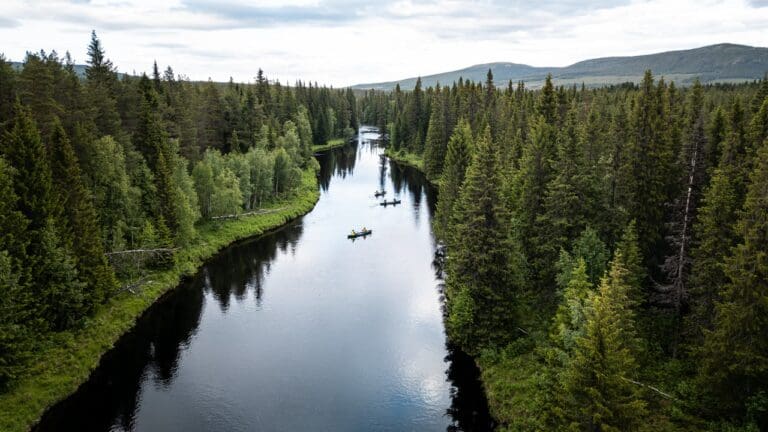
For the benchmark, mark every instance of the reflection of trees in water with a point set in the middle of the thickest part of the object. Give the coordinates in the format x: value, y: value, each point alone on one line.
x: 382, y: 173
x: 469, y: 407
x: 109, y: 399
x: 245, y: 266
x: 339, y: 162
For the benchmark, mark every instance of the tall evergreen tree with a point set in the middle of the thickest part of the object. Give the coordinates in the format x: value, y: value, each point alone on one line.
x: 649, y: 165
x: 735, y: 364
x: 437, y: 137
x: 14, y: 296
x: 80, y: 220
x: 101, y: 83
x: 601, y: 396
x: 456, y: 162
x: 480, y: 277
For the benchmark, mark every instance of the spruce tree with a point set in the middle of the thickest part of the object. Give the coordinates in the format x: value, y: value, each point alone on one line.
x: 528, y: 189
x: 434, y: 150
x: 24, y: 151
x: 15, y: 301
x: 715, y: 235
x: 571, y: 195
x: 569, y: 322
x: 648, y: 168
x: 80, y: 220
x: 599, y: 394
x: 478, y: 265
x: 547, y: 106
x: 456, y: 162
x: 735, y: 354
x: 101, y: 84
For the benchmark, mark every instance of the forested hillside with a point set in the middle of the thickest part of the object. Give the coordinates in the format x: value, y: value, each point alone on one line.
x: 606, y: 249
x: 104, y: 178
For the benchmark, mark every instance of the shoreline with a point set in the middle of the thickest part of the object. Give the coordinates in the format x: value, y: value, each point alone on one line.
x: 331, y: 144
x: 66, y: 360
x: 491, y: 394
x: 411, y: 160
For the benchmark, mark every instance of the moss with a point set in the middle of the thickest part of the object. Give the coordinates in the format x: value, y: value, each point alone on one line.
x: 331, y: 144
x: 67, y: 359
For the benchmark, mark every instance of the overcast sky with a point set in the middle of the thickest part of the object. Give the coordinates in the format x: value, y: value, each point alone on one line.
x: 344, y: 42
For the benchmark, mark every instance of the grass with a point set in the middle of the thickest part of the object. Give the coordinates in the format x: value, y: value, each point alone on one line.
x: 331, y: 144
x: 410, y: 159
x: 68, y: 358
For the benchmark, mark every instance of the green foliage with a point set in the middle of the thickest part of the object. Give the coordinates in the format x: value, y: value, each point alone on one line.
x: 456, y: 162
x: 479, y: 269
x: 569, y: 322
x: 652, y: 176
x: 596, y: 380
x: 80, y: 221
x: 117, y: 201
x: 99, y: 165
x: 735, y: 365
x: 68, y: 358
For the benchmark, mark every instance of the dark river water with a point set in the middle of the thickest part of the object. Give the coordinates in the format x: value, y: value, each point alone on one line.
x: 300, y: 330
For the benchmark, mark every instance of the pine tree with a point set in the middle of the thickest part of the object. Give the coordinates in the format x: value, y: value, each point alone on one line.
x: 37, y: 90
x: 456, y: 162
x: 735, y: 362
x: 80, y: 220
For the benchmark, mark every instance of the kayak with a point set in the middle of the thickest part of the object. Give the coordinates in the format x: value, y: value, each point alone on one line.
x: 393, y: 202
x: 379, y: 193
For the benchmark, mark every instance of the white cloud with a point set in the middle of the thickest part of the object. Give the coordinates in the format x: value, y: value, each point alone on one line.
x: 343, y: 42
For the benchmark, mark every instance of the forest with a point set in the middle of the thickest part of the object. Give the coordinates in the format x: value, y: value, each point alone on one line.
x: 606, y: 249
x: 108, y: 176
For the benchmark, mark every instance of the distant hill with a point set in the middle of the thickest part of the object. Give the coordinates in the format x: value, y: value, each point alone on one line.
x: 715, y: 63
x: 79, y: 69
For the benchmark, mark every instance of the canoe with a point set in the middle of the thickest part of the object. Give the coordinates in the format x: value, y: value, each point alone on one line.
x: 378, y: 194
x: 360, y: 234
x: 393, y: 202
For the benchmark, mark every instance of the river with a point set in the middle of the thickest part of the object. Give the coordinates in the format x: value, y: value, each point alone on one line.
x: 300, y: 330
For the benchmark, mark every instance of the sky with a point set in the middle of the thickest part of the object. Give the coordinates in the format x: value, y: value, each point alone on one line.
x: 346, y: 42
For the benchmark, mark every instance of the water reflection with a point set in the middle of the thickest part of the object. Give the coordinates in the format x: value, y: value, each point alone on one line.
x: 339, y: 162
x: 300, y: 330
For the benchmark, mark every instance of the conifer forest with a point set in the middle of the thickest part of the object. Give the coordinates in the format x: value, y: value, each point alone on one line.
x: 585, y: 257
x: 605, y: 248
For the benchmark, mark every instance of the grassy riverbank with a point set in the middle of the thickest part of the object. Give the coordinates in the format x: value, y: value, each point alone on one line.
x: 410, y: 159
x: 331, y: 144
x: 67, y: 359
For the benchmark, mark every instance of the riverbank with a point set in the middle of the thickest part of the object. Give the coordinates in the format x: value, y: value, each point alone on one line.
x: 409, y: 159
x: 331, y: 144
x: 68, y: 358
